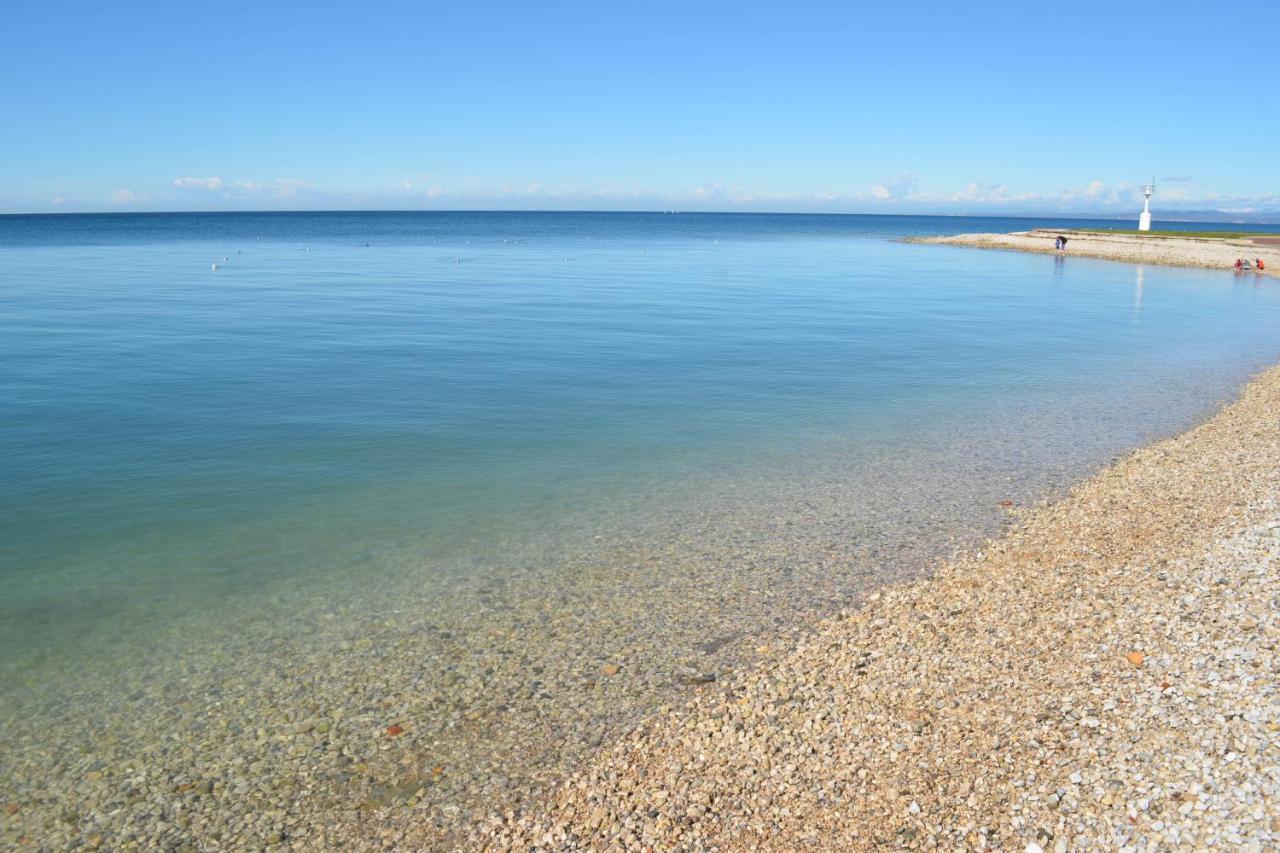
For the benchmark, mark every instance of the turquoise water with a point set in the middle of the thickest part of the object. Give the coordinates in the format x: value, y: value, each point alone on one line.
x: 360, y: 395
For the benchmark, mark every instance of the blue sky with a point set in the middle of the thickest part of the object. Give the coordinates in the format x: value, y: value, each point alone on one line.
x: 901, y: 107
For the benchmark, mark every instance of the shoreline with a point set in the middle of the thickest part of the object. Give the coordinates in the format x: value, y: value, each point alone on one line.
x: 276, y: 731
x: 1193, y: 252
x: 1103, y: 674
x: 394, y: 795
x: 500, y: 689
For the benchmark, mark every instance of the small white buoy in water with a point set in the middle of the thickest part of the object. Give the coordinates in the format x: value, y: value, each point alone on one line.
x: 213, y: 267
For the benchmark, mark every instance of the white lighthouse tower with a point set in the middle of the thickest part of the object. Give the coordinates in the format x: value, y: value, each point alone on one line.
x: 1144, y: 221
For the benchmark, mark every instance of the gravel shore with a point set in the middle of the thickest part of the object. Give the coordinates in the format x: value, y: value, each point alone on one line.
x: 1102, y: 677
x: 1164, y: 251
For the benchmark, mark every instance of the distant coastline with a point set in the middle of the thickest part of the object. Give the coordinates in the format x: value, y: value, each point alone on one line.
x: 1163, y: 250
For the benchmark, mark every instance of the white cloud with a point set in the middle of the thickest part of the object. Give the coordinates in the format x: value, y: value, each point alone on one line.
x: 706, y: 192
x: 287, y: 187
x: 900, y: 194
x: 903, y: 186
x: 211, y: 184
x: 1094, y: 195
x: 903, y: 193
x: 979, y: 192
x: 278, y: 189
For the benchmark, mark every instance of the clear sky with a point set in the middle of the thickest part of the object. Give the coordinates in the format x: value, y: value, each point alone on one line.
x: 899, y: 106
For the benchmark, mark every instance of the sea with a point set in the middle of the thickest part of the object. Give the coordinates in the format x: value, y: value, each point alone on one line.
x: 428, y: 460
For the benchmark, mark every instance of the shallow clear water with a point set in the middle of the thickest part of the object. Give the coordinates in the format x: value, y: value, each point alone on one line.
x: 361, y: 395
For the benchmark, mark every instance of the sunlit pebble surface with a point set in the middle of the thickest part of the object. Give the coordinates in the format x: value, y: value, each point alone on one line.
x: 1103, y: 677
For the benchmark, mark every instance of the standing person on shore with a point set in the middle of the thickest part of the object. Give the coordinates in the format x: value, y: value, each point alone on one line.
x: 1061, y: 243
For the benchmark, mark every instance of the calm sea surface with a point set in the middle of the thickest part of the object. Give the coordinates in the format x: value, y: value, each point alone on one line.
x: 500, y: 482
x: 349, y: 393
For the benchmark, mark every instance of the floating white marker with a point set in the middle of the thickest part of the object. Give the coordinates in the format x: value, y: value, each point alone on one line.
x: 213, y: 267
x: 1144, y: 221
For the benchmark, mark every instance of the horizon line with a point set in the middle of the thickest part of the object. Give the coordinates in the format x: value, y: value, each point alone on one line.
x: 1110, y: 217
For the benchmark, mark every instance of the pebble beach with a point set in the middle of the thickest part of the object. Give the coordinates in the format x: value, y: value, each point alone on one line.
x: 1160, y: 250
x: 1102, y: 677
x: 591, y: 429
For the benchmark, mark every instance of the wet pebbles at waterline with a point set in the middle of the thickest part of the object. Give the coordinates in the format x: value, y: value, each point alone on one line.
x: 1104, y: 677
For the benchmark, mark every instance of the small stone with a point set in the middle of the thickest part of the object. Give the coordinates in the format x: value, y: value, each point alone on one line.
x: 697, y: 677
